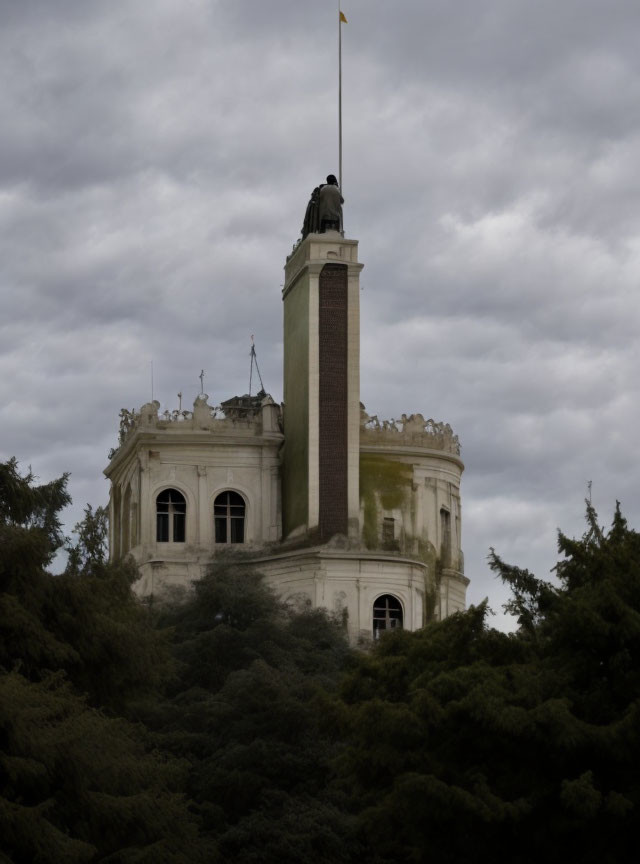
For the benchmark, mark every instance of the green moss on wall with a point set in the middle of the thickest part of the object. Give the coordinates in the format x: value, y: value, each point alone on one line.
x: 427, y: 553
x: 387, y: 484
x: 383, y: 482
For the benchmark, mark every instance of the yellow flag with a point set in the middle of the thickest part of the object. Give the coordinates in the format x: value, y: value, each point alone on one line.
x: 343, y: 18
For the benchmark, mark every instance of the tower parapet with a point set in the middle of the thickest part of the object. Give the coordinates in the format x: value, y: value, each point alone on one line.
x: 248, y: 415
x: 412, y: 430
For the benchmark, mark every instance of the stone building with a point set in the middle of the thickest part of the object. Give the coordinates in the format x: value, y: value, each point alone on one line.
x: 335, y: 507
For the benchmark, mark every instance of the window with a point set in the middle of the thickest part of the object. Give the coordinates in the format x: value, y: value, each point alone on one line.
x: 387, y: 614
x: 171, y: 511
x: 389, y: 541
x: 126, y: 521
x: 445, y: 535
x: 134, y: 524
x: 228, y: 516
x: 388, y: 530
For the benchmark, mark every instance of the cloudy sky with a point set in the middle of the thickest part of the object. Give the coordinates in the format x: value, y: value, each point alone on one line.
x: 156, y: 157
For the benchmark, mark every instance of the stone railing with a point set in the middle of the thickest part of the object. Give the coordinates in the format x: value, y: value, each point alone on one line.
x: 248, y: 414
x: 407, y: 431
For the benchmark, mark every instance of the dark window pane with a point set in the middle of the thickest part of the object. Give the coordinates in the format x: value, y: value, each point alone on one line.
x: 237, y: 530
x: 221, y: 530
x: 445, y: 530
x: 229, y: 511
x: 178, y: 527
x: 170, y: 519
x: 162, y: 528
x: 389, y: 541
x: 387, y: 614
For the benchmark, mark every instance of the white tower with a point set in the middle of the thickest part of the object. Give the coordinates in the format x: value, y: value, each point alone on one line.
x: 339, y: 509
x: 322, y: 388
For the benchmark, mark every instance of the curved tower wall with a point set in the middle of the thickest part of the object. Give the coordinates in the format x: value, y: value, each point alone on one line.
x: 410, y: 474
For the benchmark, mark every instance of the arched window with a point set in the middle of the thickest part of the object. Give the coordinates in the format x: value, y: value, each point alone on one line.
x: 228, y: 515
x: 387, y: 614
x: 171, y: 509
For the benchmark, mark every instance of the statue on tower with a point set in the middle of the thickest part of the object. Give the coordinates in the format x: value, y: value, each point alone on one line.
x: 324, y: 210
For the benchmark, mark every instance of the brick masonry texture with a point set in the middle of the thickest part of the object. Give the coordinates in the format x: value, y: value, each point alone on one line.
x: 333, y: 400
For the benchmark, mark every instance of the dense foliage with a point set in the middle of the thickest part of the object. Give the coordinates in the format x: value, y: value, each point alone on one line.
x: 463, y: 739
x: 77, y: 782
x: 223, y: 727
x: 229, y: 763
x: 243, y: 710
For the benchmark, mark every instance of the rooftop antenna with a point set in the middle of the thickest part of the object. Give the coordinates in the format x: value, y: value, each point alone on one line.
x: 254, y: 360
x: 201, y: 377
x: 152, y: 380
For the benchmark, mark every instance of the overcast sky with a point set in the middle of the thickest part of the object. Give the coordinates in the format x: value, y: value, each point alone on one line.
x: 156, y: 157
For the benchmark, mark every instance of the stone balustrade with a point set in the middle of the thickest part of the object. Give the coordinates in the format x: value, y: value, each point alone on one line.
x: 242, y: 414
x: 411, y: 430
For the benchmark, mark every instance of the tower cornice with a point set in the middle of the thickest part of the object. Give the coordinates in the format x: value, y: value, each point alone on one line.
x: 316, y: 250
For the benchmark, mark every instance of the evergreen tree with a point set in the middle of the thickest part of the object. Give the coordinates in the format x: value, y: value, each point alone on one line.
x: 122, y: 658
x: 463, y: 740
x: 86, y: 621
x: 245, y: 712
x: 80, y: 787
x: 92, y: 546
x: 76, y: 785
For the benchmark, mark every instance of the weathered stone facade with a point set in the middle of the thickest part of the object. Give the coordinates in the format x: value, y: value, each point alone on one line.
x: 201, y: 454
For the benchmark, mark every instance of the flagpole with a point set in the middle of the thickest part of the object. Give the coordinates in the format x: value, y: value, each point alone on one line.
x: 339, y: 96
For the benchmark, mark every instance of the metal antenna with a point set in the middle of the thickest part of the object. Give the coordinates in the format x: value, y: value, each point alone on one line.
x: 254, y: 359
x: 152, y: 380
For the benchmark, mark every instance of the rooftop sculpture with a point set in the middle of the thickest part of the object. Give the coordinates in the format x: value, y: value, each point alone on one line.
x: 407, y: 431
x: 238, y: 412
x: 324, y: 210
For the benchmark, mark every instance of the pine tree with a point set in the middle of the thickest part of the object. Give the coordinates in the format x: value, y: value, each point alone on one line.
x: 244, y: 713
x: 92, y: 546
x: 462, y: 739
x: 75, y: 784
